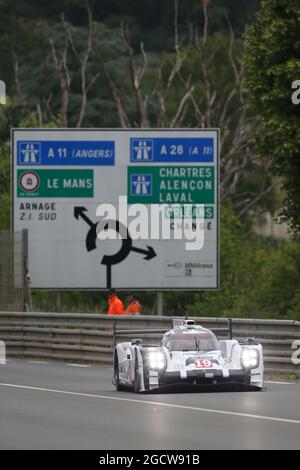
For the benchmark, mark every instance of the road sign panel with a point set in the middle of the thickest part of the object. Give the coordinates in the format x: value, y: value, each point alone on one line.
x: 66, y: 153
x: 172, y: 150
x: 55, y: 183
x: 171, y: 184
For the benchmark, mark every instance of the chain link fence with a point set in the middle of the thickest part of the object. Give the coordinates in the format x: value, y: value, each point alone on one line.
x: 14, y: 291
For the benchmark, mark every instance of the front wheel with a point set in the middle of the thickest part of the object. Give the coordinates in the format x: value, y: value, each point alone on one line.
x: 117, y: 384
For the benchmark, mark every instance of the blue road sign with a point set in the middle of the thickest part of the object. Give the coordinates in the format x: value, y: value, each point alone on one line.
x: 172, y: 150
x: 75, y: 152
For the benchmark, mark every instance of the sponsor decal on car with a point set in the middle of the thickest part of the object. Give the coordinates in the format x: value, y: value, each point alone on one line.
x: 202, y: 363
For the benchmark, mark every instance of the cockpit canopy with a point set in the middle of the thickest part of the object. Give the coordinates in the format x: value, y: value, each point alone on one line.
x: 196, y: 340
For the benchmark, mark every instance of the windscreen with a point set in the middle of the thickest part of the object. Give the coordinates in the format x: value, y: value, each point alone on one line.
x: 192, y: 342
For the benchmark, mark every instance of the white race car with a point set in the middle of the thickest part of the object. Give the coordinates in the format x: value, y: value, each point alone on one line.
x: 190, y: 357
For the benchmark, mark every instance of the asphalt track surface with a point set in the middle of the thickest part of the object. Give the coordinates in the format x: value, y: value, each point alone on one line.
x: 53, y: 405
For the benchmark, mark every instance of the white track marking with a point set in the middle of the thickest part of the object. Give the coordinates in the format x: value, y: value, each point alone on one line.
x: 281, y: 383
x: 38, y: 362
x: 155, y: 403
x: 79, y: 365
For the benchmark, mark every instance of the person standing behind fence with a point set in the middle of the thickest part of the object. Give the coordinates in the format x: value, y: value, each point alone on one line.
x: 134, y: 307
x: 115, y: 305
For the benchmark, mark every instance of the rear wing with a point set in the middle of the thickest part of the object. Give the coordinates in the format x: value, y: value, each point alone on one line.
x: 155, y: 332
x: 185, y: 322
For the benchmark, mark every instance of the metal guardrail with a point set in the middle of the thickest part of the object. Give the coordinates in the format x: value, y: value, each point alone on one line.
x: 90, y: 337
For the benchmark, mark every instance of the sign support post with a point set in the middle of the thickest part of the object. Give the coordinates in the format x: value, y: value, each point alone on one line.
x: 160, y: 303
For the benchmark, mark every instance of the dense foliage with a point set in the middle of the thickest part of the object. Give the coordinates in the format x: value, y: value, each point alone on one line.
x: 272, y: 64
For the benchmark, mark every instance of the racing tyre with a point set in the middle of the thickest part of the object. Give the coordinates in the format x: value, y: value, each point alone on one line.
x: 118, y: 386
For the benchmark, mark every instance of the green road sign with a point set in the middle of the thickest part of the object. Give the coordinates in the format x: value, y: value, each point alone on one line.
x: 189, y: 212
x: 55, y: 183
x: 171, y: 184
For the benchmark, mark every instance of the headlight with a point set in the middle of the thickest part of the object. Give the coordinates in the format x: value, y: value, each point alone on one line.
x: 250, y: 358
x: 157, y: 360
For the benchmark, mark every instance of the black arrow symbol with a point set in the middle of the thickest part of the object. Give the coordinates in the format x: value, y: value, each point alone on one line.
x: 90, y: 241
x: 80, y: 212
x: 150, y: 253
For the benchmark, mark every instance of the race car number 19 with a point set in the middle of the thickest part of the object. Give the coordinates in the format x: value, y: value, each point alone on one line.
x: 202, y: 363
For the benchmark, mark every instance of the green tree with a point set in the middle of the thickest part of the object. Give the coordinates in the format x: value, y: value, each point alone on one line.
x: 275, y: 295
x: 272, y: 63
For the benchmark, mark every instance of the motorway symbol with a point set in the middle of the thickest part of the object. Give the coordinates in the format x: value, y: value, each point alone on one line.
x: 141, y: 185
x: 2, y: 92
x: 122, y: 253
x: 29, y: 153
x: 142, y: 150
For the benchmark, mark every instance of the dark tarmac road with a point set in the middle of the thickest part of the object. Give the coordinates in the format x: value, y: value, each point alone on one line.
x: 53, y: 405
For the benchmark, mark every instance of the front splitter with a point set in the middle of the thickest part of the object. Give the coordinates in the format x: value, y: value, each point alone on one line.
x: 204, y: 388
